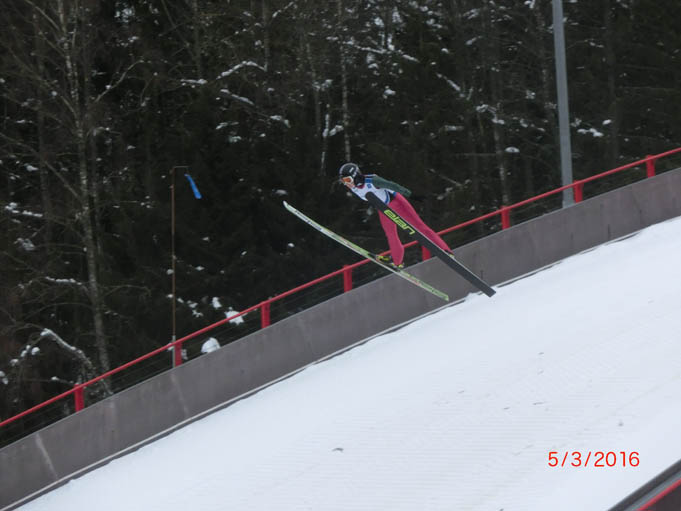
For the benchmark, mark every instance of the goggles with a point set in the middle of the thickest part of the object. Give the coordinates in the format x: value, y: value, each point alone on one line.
x: 347, y: 180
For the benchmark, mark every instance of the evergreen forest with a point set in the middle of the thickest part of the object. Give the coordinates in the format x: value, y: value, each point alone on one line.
x: 107, y: 104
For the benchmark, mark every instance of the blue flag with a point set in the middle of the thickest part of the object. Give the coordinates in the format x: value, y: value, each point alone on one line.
x: 196, y: 191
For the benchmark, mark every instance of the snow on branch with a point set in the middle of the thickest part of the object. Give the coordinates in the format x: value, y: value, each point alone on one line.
x: 35, y: 153
x: 72, y: 282
x: 120, y: 79
x: 449, y: 82
x: 51, y: 335
x: 31, y: 349
x: 241, y: 99
x: 591, y: 131
x: 331, y: 132
x: 245, y: 63
x: 77, y: 353
x: 380, y: 51
x: 280, y: 119
x: 193, y: 83
x: 282, y: 10
x: 12, y: 208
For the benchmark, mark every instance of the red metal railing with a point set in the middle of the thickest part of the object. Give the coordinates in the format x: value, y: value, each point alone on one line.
x: 650, y: 505
x: 347, y: 275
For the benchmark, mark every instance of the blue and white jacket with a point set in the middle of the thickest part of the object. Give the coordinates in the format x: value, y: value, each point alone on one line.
x: 382, y: 188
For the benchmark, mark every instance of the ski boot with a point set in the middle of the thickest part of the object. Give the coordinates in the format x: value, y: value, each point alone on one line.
x: 389, y: 260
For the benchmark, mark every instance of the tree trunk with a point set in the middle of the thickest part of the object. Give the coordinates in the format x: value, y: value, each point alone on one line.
x: 266, y: 33
x: 325, y: 141
x: 547, y: 77
x: 529, y: 177
x: 613, y: 105
x: 501, y: 159
x: 474, y: 167
x: 315, y: 88
x: 197, y: 38
x: 91, y: 252
x: 40, y: 129
x: 470, y: 119
x: 496, y: 90
x: 90, y: 135
x: 344, y: 83
x: 86, y: 218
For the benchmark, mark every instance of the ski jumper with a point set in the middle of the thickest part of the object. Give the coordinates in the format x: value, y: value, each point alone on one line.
x: 393, y: 194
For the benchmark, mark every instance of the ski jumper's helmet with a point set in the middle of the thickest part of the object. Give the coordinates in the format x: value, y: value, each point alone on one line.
x: 350, y: 173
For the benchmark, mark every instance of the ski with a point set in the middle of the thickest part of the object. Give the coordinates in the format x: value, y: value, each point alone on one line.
x: 365, y: 253
x: 444, y: 256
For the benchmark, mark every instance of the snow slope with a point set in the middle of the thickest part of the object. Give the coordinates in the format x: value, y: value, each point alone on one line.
x: 458, y: 410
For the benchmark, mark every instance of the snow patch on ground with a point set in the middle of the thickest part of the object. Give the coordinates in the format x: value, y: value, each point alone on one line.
x: 456, y: 411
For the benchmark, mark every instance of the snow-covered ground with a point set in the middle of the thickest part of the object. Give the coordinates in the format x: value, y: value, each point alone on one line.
x: 456, y: 411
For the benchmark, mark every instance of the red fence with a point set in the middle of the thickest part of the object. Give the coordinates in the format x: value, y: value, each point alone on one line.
x: 347, y: 278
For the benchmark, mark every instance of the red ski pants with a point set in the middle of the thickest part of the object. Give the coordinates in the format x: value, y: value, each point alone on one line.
x: 406, y: 211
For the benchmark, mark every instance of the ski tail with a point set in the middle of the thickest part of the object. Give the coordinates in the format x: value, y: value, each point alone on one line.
x: 368, y: 255
x: 444, y: 256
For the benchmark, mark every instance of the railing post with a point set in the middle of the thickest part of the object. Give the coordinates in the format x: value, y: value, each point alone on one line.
x: 177, y: 354
x: 347, y: 278
x: 578, y: 190
x: 505, y: 218
x: 79, y: 398
x: 264, y: 314
x: 650, y: 166
x: 425, y: 253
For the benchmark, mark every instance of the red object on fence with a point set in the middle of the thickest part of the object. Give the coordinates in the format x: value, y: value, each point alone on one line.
x: 425, y: 253
x: 650, y: 166
x: 578, y: 191
x: 265, y: 314
x: 505, y: 218
x: 79, y: 398
x: 177, y: 354
x: 264, y: 307
x: 347, y: 278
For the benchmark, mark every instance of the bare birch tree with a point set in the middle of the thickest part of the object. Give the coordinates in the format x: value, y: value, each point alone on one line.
x: 56, y: 59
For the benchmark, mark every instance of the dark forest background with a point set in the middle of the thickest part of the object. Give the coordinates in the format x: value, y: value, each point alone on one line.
x: 262, y: 100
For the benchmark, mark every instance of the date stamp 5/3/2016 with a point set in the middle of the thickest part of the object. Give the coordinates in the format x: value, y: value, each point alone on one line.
x: 595, y: 459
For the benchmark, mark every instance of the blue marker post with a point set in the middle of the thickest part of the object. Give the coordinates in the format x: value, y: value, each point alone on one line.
x: 195, y: 189
x: 177, y: 350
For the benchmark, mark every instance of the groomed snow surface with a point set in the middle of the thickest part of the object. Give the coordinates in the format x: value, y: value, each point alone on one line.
x: 457, y: 411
